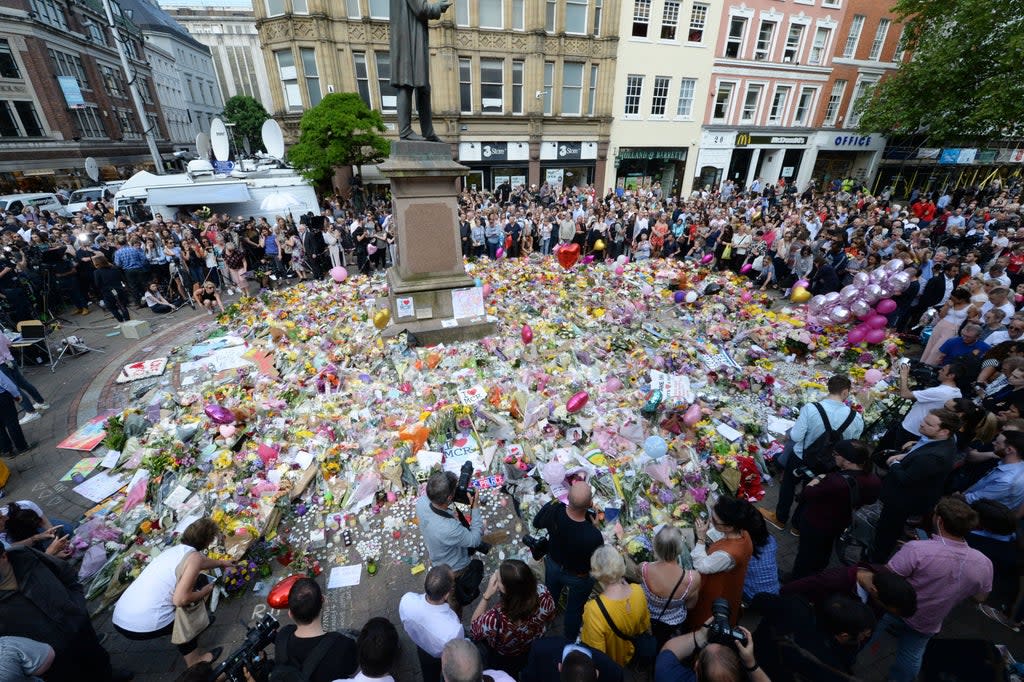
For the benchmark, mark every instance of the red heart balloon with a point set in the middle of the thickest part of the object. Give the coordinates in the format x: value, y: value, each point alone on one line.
x: 278, y: 597
x: 568, y: 255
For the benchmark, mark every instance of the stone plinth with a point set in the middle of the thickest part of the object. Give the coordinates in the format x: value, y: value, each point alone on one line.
x: 429, y: 266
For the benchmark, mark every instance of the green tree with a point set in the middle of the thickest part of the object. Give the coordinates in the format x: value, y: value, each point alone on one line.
x: 964, y: 78
x: 340, y: 131
x: 248, y: 116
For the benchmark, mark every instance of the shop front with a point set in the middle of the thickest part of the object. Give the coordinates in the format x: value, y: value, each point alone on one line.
x: 842, y: 155
x: 492, y: 163
x: 567, y: 164
x: 743, y: 156
x: 637, y: 167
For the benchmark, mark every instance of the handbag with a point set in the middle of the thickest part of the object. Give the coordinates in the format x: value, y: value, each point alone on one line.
x: 645, y: 647
x: 191, y: 620
x: 727, y: 252
x: 467, y: 585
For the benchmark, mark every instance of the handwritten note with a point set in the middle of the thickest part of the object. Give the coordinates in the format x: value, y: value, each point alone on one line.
x: 468, y: 302
x: 345, y: 576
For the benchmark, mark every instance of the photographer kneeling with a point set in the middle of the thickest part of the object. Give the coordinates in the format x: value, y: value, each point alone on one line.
x: 449, y: 537
x: 715, y: 652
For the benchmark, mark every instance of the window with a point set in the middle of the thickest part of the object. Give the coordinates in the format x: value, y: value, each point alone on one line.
x: 300, y: 7
x: 49, y: 12
x: 113, y: 81
x: 572, y: 88
x: 152, y: 125
x: 723, y: 98
x: 129, y: 49
x: 550, y: 15
x: 670, y: 20
x: 143, y: 85
x: 592, y: 92
x: 388, y: 94
x: 765, y: 35
x: 97, y: 33
x: 466, y: 85
x: 129, y: 126
x: 576, y: 16
x: 684, y: 106
x: 461, y: 12
x: 834, y: 100
x: 659, y: 98
x: 312, y: 75
x: 861, y: 93
x: 634, y: 88
x: 791, y: 52
x: 517, y: 86
x: 89, y: 123
x: 880, y: 34
x: 8, y: 65
x: 818, y: 46
x: 830, y: 3
x: 380, y: 9
x: 734, y: 43
x: 492, y: 85
x: 491, y: 14
x: 518, y: 15
x: 549, y: 86
x: 289, y: 79
x: 779, y: 102
x: 363, y: 77
x: 750, y: 103
x: 353, y: 11
x: 69, y: 65
x: 698, y: 20
x: 853, y: 37
x: 597, y: 18
x: 803, y: 106
x: 275, y: 7
x: 901, y: 49
x: 641, y: 17
x: 18, y: 119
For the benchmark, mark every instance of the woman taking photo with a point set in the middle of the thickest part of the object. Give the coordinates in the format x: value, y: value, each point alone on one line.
x: 172, y: 580
x: 952, y: 315
x: 721, y: 555
x: 521, y: 615
x: 670, y: 589
x: 625, y: 608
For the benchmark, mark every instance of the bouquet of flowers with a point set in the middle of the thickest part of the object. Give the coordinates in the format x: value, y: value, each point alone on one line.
x: 238, y: 577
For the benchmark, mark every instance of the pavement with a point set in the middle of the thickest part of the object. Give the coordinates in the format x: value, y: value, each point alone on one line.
x: 83, y: 386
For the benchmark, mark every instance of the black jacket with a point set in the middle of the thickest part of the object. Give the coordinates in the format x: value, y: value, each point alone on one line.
x: 915, y: 484
x: 933, y: 291
x: 824, y: 279
x: 49, y: 605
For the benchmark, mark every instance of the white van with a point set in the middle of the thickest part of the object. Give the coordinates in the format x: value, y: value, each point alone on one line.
x: 44, y: 201
x: 80, y: 197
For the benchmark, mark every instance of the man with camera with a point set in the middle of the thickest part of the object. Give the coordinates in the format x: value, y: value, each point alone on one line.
x: 321, y: 656
x: 716, y: 652
x: 572, y: 538
x: 449, y: 537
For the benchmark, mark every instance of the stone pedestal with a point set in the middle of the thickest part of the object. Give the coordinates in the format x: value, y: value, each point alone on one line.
x: 429, y: 268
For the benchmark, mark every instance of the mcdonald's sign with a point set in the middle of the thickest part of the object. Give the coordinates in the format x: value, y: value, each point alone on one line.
x: 742, y: 139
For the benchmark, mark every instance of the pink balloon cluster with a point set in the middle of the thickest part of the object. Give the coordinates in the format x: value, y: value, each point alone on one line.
x: 866, y: 298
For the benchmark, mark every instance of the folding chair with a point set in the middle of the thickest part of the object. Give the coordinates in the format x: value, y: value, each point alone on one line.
x: 33, y: 333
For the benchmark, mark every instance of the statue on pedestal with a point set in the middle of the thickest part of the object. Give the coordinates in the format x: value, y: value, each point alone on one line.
x: 410, y: 63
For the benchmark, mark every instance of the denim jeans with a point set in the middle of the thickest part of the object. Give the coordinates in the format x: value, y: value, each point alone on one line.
x: 910, y: 646
x: 787, y: 490
x: 556, y: 578
x: 29, y: 394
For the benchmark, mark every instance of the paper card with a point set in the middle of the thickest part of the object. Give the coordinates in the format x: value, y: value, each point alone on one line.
x: 138, y: 476
x: 448, y: 324
x: 778, y: 425
x: 404, y: 307
x: 468, y: 302
x: 82, y: 467
x: 427, y: 459
x: 89, y: 435
x: 177, y: 497
x: 345, y: 576
x: 674, y: 388
x: 142, y: 370
x: 99, y: 487
x: 472, y: 396
x: 304, y: 459
x: 110, y: 459
x: 728, y: 433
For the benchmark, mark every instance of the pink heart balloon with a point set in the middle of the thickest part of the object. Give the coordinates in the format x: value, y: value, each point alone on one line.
x: 227, y: 430
x: 526, y: 334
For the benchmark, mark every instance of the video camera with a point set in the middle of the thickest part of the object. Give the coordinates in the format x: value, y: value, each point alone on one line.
x: 250, y: 655
x: 720, y: 631
x: 463, y: 489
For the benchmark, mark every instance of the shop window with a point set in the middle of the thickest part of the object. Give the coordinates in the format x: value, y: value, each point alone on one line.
x: 723, y: 100
x: 492, y: 86
x: 634, y: 89
x: 734, y: 41
x: 698, y: 20
x: 466, y: 85
x: 572, y: 88
x: 670, y: 20
x: 659, y: 96
x: 641, y: 17
x: 684, y: 105
x: 853, y: 37
x: 362, y: 77
x: 8, y: 65
x: 791, y: 52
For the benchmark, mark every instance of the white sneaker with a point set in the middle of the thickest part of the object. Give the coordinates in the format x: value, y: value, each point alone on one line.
x: 30, y: 417
x: 41, y: 406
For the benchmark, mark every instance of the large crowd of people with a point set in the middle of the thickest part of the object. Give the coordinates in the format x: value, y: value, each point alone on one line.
x: 942, y: 491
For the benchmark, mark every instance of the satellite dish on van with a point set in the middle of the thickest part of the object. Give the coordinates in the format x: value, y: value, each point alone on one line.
x: 203, y: 145
x: 273, y: 140
x: 219, y: 140
x: 92, y: 169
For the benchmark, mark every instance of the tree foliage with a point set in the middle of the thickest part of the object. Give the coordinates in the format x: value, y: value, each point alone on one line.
x: 340, y: 131
x: 248, y: 116
x: 964, y: 78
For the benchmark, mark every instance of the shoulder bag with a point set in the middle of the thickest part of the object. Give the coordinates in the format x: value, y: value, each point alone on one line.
x: 645, y: 647
x: 191, y: 620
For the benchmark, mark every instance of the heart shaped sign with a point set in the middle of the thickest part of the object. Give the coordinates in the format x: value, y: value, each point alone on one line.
x: 568, y: 255
x: 278, y: 597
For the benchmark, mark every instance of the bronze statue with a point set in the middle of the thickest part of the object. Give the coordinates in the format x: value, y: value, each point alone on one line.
x: 410, y: 63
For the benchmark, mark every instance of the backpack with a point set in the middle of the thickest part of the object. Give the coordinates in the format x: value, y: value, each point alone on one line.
x: 818, y: 455
x: 286, y: 670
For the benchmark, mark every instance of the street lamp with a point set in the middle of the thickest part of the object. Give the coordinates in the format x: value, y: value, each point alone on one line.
x: 130, y: 76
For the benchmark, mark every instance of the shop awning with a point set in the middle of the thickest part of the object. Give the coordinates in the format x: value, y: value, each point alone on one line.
x: 213, y: 194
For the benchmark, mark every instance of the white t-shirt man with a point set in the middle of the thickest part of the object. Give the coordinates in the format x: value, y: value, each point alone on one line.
x: 924, y: 402
x: 429, y: 626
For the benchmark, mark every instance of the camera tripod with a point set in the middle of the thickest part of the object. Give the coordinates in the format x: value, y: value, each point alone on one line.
x: 73, y: 345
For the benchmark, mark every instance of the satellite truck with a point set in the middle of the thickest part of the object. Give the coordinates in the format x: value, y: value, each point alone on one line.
x: 260, y: 187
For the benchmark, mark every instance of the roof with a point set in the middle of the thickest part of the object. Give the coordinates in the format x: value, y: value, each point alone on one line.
x: 149, y: 17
